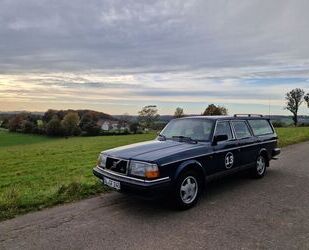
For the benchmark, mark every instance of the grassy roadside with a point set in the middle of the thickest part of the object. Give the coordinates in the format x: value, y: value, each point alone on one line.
x: 291, y: 135
x: 51, y: 172
x: 38, y: 172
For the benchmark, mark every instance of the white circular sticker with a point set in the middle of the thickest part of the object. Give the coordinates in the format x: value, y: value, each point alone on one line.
x: 229, y: 160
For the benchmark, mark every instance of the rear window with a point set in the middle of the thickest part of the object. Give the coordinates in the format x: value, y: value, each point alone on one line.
x: 260, y: 127
x: 241, y: 129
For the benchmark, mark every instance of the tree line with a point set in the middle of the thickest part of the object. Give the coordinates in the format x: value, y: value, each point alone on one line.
x: 56, y: 122
x: 85, y: 122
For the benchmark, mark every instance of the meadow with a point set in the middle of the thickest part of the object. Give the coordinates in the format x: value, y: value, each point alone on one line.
x: 49, y: 171
x: 38, y: 172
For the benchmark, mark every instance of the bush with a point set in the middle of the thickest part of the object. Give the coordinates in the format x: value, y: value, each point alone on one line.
x: 134, y: 127
x: 54, y: 127
x: 278, y: 124
x: 70, y: 124
x: 303, y: 124
x: 91, y: 128
x: 27, y: 127
x: 38, y: 130
x: 5, y: 123
x: 76, y: 131
x: 15, y: 123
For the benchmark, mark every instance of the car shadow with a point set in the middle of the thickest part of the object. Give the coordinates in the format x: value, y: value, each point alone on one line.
x: 217, y: 189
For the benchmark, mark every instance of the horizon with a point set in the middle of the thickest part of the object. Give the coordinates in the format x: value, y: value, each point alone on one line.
x: 116, y: 57
x: 172, y: 114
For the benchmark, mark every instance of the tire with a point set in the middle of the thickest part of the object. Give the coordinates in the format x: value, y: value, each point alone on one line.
x: 187, y: 190
x: 259, y: 170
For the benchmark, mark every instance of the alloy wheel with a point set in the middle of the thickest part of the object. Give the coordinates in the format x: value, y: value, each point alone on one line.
x: 188, y: 189
x: 260, y: 165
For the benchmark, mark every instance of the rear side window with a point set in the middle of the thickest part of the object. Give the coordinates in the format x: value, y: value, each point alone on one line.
x: 260, y: 127
x: 241, y: 129
x: 223, y: 128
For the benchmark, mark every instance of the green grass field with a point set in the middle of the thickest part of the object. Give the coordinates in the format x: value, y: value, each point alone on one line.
x: 37, y: 171
x: 20, y: 139
x: 50, y: 171
x: 291, y: 135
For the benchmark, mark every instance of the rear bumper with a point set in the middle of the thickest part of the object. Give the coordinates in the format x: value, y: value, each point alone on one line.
x: 143, y: 188
x: 275, y: 153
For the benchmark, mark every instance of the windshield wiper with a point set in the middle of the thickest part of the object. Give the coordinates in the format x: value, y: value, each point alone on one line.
x: 184, y: 138
x: 162, y: 137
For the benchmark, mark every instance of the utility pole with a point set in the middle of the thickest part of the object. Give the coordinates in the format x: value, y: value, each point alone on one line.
x: 269, y: 107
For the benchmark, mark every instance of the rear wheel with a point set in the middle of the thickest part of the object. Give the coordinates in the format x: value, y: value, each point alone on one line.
x: 187, y: 190
x: 260, y: 167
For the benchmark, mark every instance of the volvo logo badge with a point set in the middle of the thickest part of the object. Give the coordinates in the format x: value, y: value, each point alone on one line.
x: 115, y: 163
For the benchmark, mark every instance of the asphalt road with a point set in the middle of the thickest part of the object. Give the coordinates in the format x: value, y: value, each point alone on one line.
x: 235, y: 213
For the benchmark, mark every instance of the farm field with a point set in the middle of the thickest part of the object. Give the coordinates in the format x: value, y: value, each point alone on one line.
x: 37, y: 171
x: 50, y: 171
x: 12, y: 139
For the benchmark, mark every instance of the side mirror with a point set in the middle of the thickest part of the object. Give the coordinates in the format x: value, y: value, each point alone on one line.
x: 218, y: 138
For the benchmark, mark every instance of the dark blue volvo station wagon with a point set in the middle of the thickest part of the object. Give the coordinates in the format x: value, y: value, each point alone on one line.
x: 187, y: 153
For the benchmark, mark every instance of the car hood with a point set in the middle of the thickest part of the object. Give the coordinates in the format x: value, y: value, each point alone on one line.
x: 158, y: 151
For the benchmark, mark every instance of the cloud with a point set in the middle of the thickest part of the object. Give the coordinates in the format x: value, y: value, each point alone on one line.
x: 163, y: 51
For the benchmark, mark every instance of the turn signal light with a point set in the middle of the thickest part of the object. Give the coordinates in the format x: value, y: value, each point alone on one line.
x: 151, y: 174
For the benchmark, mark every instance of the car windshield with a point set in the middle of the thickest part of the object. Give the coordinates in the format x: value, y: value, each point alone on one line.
x: 193, y: 129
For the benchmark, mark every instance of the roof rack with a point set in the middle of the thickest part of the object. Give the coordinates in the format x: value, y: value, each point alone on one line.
x: 248, y: 115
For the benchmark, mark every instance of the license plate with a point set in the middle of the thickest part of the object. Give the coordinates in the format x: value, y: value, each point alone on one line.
x: 111, y: 183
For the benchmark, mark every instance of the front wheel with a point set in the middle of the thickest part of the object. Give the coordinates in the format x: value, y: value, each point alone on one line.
x: 260, y: 167
x: 187, y: 190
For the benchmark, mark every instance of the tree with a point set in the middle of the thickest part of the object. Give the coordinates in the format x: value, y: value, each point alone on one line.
x: 212, y: 109
x: 91, y: 128
x: 5, y: 123
x: 148, y: 116
x: 54, y: 127
x: 179, y: 113
x: 134, y: 127
x: 293, y: 101
x: 124, y: 121
x: 48, y: 115
x: 307, y: 99
x: 15, y: 123
x: 70, y: 124
x: 27, y: 127
x: 125, y: 118
x: 88, y: 123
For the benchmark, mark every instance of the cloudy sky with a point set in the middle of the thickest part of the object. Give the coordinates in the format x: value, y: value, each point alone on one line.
x: 116, y: 56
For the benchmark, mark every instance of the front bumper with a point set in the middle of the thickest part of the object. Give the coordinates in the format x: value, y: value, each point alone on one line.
x: 144, y: 188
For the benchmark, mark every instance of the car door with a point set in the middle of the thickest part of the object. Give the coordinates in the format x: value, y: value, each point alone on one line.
x: 246, y: 142
x: 226, y: 154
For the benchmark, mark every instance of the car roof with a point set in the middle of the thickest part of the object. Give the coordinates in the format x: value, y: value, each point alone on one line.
x: 223, y: 117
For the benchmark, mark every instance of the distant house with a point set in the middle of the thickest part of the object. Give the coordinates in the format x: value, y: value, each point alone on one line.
x: 112, y: 125
x: 105, y: 126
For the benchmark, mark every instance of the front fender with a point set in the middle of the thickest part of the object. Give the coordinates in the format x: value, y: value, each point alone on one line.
x: 189, y: 164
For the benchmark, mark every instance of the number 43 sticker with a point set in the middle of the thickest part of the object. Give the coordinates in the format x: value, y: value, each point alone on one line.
x: 229, y: 160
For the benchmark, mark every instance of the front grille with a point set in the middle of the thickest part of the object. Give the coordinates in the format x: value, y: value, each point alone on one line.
x: 117, y: 165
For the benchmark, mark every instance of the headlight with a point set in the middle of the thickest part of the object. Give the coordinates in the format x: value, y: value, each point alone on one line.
x: 102, y: 160
x: 144, y: 169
